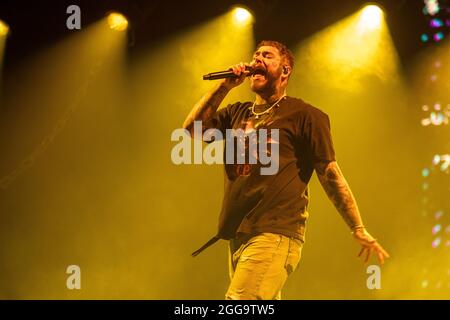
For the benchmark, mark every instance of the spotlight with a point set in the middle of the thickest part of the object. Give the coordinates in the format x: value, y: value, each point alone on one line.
x: 242, y: 16
x: 371, y: 17
x: 117, y: 21
x: 4, y: 29
x: 436, y: 23
x: 431, y: 7
x: 438, y: 36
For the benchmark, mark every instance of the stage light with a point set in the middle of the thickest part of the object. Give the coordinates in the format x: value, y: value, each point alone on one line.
x: 438, y: 214
x: 242, y: 16
x: 4, y: 29
x: 431, y: 7
x: 117, y: 21
x: 436, y: 23
x: 438, y: 36
x: 352, y: 50
x: 371, y: 18
x: 436, y: 242
x: 436, y: 159
x: 436, y: 228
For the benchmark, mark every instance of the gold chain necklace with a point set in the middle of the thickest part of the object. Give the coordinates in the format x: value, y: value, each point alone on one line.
x: 258, y: 114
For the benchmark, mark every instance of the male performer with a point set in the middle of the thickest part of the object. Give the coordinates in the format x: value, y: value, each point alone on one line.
x: 263, y: 215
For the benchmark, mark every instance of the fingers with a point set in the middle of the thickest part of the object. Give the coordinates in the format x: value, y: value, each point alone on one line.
x: 381, y: 254
x: 240, y: 69
x: 380, y: 257
x: 361, y: 252
x: 369, y: 252
x: 385, y: 254
x: 241, y: 73
x: 236, y: 70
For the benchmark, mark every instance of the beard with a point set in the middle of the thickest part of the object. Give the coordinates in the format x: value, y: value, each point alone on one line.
x: 264, y: 83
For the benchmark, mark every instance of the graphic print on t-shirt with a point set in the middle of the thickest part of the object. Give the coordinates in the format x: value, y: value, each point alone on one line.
x: 252, y: 136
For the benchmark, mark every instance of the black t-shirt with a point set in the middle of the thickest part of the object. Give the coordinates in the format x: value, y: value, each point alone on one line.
x: 255, y: 203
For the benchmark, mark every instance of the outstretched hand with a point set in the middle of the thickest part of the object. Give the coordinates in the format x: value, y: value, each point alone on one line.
x: 369, y: 244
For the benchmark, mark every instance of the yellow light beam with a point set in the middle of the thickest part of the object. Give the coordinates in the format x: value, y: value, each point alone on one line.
x: 193, y: 53
x: 4, y: 29
x: 353, y: 49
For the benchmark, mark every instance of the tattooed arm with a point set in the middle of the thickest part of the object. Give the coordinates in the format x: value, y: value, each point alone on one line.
x: 338, y: 191
x: 205, y: 109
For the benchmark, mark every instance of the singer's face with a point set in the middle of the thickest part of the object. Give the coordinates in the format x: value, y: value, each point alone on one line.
x: 268, y: 69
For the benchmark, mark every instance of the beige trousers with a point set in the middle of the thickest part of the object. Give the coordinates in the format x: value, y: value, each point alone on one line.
x: 260, y: 265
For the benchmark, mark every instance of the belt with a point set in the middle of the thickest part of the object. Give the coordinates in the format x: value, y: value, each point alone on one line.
x: 206, y: 245
x: 240, y: 239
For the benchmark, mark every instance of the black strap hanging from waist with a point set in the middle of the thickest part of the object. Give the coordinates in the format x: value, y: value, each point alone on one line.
x: 206, y: 245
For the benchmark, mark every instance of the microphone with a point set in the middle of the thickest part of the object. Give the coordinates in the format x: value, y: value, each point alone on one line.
x: 225, y: 74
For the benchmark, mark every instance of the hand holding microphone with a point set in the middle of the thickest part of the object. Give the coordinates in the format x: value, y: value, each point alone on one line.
x: 232, y: 77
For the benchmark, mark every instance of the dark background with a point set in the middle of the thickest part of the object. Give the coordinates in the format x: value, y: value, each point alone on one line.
x: 42, y: 22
